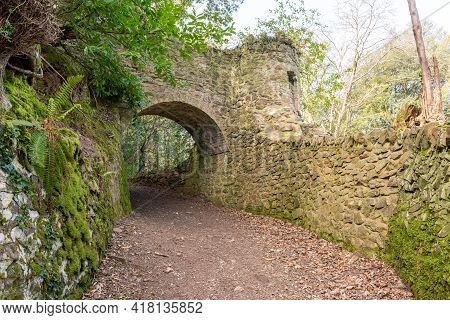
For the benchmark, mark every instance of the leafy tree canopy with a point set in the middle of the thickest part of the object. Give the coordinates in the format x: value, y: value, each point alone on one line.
x: 152, y: 144
x: 114, y: 38
x: 391, y: 79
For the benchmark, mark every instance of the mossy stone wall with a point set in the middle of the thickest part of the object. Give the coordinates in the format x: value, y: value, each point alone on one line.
x: 51, y: 241
x: 385, y: 193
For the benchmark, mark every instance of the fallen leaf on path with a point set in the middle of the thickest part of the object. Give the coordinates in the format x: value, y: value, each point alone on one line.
x: 156, y: 253
x: 168, y: 270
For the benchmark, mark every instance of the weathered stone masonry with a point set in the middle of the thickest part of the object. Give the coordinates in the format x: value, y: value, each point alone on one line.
x: 261, y: 161
x: 350, y: 190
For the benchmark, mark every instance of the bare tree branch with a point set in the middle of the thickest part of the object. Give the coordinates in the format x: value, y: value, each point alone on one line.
x: 26, y: 72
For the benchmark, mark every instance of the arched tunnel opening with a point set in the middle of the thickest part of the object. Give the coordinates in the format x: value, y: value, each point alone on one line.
x: 161, y: 141
x: 154, y: 144
x: 204, y: 130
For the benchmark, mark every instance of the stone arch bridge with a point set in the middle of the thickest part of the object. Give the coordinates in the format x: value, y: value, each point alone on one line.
x: 221, y: 93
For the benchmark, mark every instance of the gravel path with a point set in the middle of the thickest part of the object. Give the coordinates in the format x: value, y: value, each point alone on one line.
x: 177, y: 247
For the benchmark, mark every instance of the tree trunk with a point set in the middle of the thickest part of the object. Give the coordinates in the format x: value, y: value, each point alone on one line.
x: 4, y: 102
x: 348, y: 89
x: 426, y: 73
x: 438, y: 111
x: 141, y: 158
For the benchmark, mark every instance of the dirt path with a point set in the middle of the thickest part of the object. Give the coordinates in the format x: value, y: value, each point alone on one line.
x: 177, y: 247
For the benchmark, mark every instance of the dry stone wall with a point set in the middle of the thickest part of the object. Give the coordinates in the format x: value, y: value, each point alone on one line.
x: 386, y: 194
x: 347, y: 188
x: 54, y: 253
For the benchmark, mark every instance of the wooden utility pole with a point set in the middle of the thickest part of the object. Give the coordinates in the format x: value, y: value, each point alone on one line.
x: 431, y: 107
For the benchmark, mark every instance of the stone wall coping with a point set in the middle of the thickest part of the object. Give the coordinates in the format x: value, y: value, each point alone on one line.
x: 421, y: 138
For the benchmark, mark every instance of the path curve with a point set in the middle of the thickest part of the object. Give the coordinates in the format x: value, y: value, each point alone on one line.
x: 179, y: 247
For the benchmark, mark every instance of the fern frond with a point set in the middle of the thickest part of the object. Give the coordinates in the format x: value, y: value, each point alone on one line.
x: 50, y: 176
x: 62, y: 116
x: 63, y: 95
x: 23, y: 123
x: 38, y: 150
x: 52, y: 108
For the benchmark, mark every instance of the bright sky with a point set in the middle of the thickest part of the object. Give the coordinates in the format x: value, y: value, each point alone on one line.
x: 252, y: 9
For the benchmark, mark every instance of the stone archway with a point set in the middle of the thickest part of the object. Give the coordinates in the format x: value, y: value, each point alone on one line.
x: 203, y: 128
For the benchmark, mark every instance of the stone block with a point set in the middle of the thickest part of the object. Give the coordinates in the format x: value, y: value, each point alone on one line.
x: 5, y: 199
x: 376, y: 183
x: 444, y: 231
x: 393, y: 181
x: 385, y: 191
x: 380, y: 203
x: 372, y: 174
x: 358, y: 218
x: 388, y: 173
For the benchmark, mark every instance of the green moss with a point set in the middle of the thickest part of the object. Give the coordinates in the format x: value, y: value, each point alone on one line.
x: 24, y: 99
x: 419, y: 256
x: 76, y: 218
x: 124, y: 189
x: 275, y: 214
x: 74, y: 266
x: 70, y: 195
x: 72, y: 231
x: 8, y: 137
x: 36, y: 269
x: 341, y: 242
x: 62, y: 62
